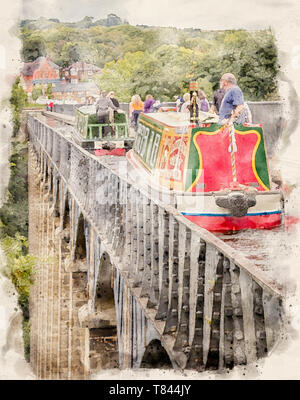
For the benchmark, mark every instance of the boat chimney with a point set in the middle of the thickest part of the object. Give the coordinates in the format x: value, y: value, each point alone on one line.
x: 194, y: 107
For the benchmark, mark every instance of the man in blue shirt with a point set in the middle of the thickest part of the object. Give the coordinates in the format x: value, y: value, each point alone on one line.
x: 232, y: 106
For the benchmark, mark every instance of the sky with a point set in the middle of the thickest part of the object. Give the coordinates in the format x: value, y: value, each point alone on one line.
x: 212, y: 14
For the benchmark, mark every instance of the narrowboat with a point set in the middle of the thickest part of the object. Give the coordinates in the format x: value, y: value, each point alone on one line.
x: 216, y: 175
x: 102, y: 138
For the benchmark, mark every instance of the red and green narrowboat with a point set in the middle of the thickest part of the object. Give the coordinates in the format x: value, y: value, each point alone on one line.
x: 217, y: 175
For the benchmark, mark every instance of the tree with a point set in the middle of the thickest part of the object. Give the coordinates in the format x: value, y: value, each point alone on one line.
x: 37, y: 92
x: 18, y: 101
x: 171, y: 56
x: 48, y: 91
x: 33, y: 48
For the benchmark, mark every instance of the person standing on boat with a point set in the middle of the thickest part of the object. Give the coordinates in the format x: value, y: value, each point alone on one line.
x: 136, y: 106
x: 149, y: 101
x: 185, y: 108
x: 102, y: 109
x: 232, y: 108
x: 111, y: 95
x: 203, y: 102
x: 179, y: 101
x: 217, y: 100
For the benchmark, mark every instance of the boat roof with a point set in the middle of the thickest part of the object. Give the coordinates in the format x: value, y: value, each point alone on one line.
x: 178, y: 119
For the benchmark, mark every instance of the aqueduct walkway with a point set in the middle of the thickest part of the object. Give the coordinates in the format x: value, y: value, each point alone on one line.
x: 125, y: 281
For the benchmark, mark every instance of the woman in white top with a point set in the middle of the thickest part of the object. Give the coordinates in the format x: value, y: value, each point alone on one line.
x: 186, y: 104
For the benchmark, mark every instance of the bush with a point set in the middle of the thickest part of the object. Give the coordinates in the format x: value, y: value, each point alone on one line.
x: 37, y: 92
x: 119, y: 118
x: 20, y: 265
x: 18, y: 101
x: 14, y: 212
x: 26, y: 338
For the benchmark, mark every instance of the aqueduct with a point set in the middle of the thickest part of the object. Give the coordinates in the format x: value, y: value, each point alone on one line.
x: 125, y: 281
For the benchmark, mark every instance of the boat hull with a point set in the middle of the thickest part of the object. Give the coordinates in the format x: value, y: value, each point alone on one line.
x: 228, y: 223
x: 267, y: 213
x: 201, y: 208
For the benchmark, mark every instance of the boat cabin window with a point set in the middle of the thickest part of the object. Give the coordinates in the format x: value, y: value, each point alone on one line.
x: 149, y: 149
x: 141, y: 142
x: 147, y: 144
x: 154, y: 150
x: 144, y: 141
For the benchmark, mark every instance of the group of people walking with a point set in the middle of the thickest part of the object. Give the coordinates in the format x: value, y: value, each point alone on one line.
x: 136, y: 106
x: 228, y: 102
x: 183, y: 103
x: 49, y: 105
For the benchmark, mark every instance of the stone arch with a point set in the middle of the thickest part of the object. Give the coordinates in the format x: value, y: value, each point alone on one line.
x: 46, y: 166
x: 57, y: 195
x: 50, y: 178
x: 66, y: 225
x: 66, y: 214
x: 155, y: 356
x: 104, y: 295
x: 80, y: 243
x: 103, y: 325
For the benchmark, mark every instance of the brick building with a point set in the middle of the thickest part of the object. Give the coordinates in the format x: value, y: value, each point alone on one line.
x: 80, y: 72
x: 41, y: 71
x: 77, y: 92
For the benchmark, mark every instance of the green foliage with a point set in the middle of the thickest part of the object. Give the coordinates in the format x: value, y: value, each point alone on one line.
x: 34, y: 105
x: 20, y: 266
x: 17, y: 100
x: 33, y: 47
x: 43, y: 23
x: 37, y: 91
x: 119, y: 118
x: 161, y: 61
x: 14, y: 212
x: 48, y: 91
x: 251, y: 56
x: 20, y: 269
x: 26, y: 338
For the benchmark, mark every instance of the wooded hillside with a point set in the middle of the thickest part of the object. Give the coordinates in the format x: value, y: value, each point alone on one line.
x: 160, y: 61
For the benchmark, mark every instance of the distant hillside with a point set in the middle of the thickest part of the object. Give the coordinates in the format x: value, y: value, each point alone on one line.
x: 43, y: 23
x: 157, y: 60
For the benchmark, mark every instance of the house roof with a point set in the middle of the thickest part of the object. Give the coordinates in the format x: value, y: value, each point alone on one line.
x: 75, y: 87
x: 45, y: 80
x: 30, y: 67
